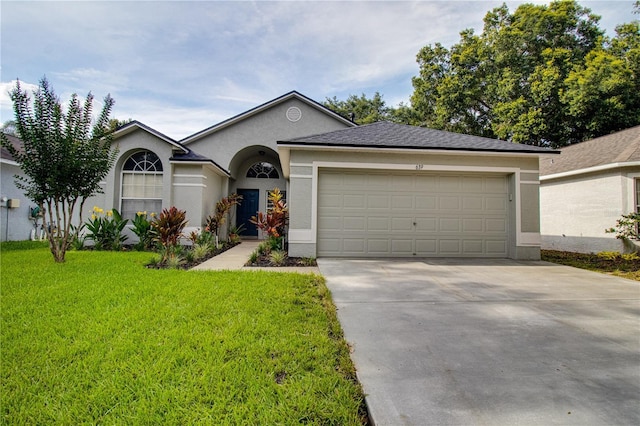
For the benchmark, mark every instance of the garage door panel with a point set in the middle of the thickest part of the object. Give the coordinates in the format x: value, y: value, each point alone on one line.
x: 449, y: 225
x: 329, y: 200
x: 449, y: 203
x: 372, y: 213
x: 449, y: 184
x: 426, y: 247
x: 401, y: 202
x: 356, y: 223
x: 497, y: 247
x: 378, y: 246
x: 353, y: 245
x: 402, y: 247
x: 399, y: 224
x: 376, y: 224
x: 495, y: 204
x: 330, y: 223
x: 473, y: 225
x: 449, y: 247
x: 473, y: 204
x: 472, y: 247
x: 495, y: 185
x: 378, y: 201
x: 354, y: 201
x: 424, y: 202
x: 496, y: 225
x: 426, y: 224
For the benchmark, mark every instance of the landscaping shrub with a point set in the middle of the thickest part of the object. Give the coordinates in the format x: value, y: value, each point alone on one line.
x: 105, y: 229
x: 142, y: 228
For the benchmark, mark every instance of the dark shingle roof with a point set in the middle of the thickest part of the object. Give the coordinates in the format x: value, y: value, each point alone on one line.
x: 619, y: 147
x: 384, y: 134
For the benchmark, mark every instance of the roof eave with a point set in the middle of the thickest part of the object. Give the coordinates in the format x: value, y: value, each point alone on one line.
x: 136, y: 125
x: 594, y: 169
x: 221, y: 171
x: 388, y: 148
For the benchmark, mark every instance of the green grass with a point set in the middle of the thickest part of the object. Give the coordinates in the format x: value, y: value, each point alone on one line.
x: 101, y: 339
x: 629, y: 269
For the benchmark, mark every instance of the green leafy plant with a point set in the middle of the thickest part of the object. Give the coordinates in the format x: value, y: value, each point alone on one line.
x: 609, y: 255
x: 627, y: 227
x: 278, y: 257
x: 221, y: 213
x: 142, y: 228
x: 630, y: 256
x: 200, y: 251
x: 274, y: 222
x: 167, y: 228
x: 105, y: 229
x: 253, y: 257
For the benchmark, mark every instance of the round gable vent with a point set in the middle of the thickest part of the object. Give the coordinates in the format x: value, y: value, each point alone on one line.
x: 294, y: 114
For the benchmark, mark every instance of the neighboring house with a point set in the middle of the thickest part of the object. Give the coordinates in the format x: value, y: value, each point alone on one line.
x: 15, y: 223
x: 586, y: 189
x: 370, y: 191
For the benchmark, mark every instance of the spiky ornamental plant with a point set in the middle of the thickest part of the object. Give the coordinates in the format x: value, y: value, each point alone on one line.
x: 64, y: 157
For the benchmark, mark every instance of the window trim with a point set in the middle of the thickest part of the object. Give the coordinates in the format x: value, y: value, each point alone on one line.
x: 260, y: 173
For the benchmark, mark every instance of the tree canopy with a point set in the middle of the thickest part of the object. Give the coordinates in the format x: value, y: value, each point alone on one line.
x: 543, y: 75
x: 64, y: 157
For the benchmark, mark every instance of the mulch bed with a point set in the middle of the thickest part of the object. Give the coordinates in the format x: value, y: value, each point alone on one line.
x: 189, y: 265
x: 264, y: 261
x: 576, y: 259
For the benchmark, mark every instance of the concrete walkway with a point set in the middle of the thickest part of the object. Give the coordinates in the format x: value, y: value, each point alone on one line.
x: 490, y: 342
x: 235, y: 259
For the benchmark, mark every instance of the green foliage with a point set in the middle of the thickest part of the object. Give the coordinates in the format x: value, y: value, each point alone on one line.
x: 105, y: 229
x: 609, y: 255
x: 364, y: 110
x: 626, y: 265
x: 273, y: 223
x: 102, y: 340
x: 64, y: 156
x: 627, y: 227
x: 278, y: 257
x: 309, y: 261
x: 167, y: 229
x: 222, y: 211
x: 253, y: 257
x: 200, y: 251
x: 142, y: 228
x: 544, y: 75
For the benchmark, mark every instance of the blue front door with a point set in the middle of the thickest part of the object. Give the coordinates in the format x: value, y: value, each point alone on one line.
x: 249, y: 207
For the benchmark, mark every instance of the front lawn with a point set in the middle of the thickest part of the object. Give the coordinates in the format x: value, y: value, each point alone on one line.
x: 617, y: 266
x: 101, y: 339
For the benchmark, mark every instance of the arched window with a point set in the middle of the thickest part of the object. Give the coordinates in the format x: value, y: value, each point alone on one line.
x: 141, y: 184
x: 263, y: 170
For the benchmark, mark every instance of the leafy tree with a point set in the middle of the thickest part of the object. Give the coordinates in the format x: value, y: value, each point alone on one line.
x: 64, y: 156
x: 363, y: 109
x: 603, y: 93
x: 542, y: 75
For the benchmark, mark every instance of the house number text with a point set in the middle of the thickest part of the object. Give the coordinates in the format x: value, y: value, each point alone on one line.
x: 419, y: 166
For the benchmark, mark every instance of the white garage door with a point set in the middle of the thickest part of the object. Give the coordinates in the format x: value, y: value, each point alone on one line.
x: 371, y: 213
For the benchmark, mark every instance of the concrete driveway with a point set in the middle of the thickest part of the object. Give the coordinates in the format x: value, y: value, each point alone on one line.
x: 495, y: 342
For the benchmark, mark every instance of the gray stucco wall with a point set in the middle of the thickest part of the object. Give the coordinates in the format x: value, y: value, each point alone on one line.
x: 264, y: 129
x: 14, y: 222
x: 525, y: 212
x: 576, y: 210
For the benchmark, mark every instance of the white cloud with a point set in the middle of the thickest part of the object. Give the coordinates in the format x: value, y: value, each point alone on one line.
x: 183, y: 66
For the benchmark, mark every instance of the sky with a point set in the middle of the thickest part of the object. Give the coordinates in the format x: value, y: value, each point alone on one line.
x: 182, y: 66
